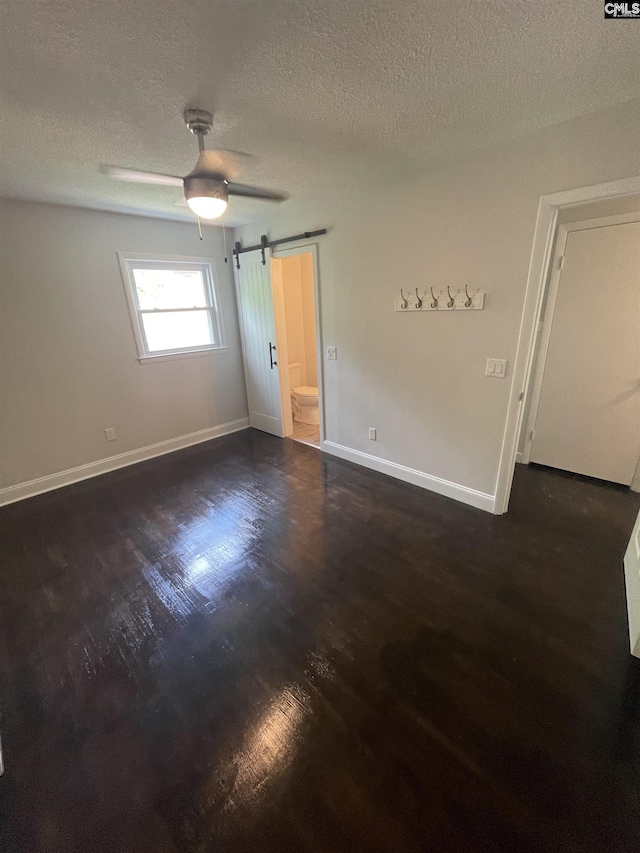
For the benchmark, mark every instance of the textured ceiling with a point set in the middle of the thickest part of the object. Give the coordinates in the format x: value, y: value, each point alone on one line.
x: 321, y: 91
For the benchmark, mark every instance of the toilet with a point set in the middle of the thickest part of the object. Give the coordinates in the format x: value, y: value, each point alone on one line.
x: 304, y: 398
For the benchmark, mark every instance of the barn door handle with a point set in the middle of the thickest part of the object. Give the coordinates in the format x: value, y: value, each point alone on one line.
x: 272, y: 349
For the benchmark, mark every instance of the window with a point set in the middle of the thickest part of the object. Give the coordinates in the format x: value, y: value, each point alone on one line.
x: 173, y: 306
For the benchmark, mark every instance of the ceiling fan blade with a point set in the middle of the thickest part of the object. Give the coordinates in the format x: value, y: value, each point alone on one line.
x: 256, y: 192
x: 137, y: 176
x: 222, y: 161
x: 235, y: 153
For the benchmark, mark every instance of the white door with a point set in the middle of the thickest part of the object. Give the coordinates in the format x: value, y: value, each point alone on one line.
x: 255, y: 307
x: 632, y: 582
x: 588, y: 418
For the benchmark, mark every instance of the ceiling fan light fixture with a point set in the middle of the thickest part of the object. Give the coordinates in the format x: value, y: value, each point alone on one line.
x: 207, y: 197
x: 206, y: 207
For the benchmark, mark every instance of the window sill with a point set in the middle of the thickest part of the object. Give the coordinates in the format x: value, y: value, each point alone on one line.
x: 170, y: 356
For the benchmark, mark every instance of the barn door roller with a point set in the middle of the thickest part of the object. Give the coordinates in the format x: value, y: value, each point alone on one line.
x: 265, y: 244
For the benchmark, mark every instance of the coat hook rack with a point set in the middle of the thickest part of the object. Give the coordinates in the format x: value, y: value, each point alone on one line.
x: 441, y: 300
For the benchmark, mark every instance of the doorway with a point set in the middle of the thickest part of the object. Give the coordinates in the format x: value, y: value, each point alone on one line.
x: 297, y: 334
x: 599, y: 200
x: 583, y: 412
x: 268, y: 377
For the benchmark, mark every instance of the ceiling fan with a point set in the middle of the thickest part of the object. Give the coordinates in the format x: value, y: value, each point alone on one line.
x: 208, y: 187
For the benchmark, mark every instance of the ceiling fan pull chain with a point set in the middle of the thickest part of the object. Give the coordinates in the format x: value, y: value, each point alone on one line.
x: 199, y: 226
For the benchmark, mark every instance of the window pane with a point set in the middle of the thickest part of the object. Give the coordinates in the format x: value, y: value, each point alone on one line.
x: 170, y: 288
x: 177, y: 330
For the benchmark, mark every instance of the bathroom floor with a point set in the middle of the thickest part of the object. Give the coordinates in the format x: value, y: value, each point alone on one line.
x: 306, y: 433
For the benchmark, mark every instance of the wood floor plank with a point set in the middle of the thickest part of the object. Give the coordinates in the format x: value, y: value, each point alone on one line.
x: 251, y: 646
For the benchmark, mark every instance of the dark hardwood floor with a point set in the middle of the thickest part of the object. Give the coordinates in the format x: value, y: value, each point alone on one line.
x: 249, y: 646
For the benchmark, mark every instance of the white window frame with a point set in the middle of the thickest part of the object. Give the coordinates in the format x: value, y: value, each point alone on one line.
x: 130, y: 261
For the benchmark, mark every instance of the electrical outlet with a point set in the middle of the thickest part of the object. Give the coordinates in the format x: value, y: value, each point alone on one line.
x: 110, y: 434
x: 372, y: 434
x: 332, y: 353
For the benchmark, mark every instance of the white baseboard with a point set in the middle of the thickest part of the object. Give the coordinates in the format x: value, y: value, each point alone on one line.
x: 481, y: 500
x: 518, y: 458
x: 92, y: 469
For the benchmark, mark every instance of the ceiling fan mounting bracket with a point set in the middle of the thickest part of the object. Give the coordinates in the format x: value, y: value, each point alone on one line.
x: 198, y: 121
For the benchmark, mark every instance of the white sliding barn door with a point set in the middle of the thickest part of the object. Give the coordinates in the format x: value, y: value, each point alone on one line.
x: 255, y: 307
x: 588, y: 418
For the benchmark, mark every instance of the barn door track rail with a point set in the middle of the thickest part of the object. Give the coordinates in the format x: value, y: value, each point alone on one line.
x: 265, y: 243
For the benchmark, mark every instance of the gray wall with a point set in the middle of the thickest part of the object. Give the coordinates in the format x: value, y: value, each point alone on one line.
x: 68, y: 360
x: 69, y: 364
x: 419, y: 378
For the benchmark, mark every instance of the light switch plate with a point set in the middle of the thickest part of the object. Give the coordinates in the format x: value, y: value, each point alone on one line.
x: 332, y: 353
x: 496, y: 367
x: 110, y: 434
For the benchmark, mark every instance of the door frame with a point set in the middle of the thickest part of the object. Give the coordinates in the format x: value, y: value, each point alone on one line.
x: 282, y: 345
x: 538, y: 276
x: 303, y: 248
x: 543, y: 334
